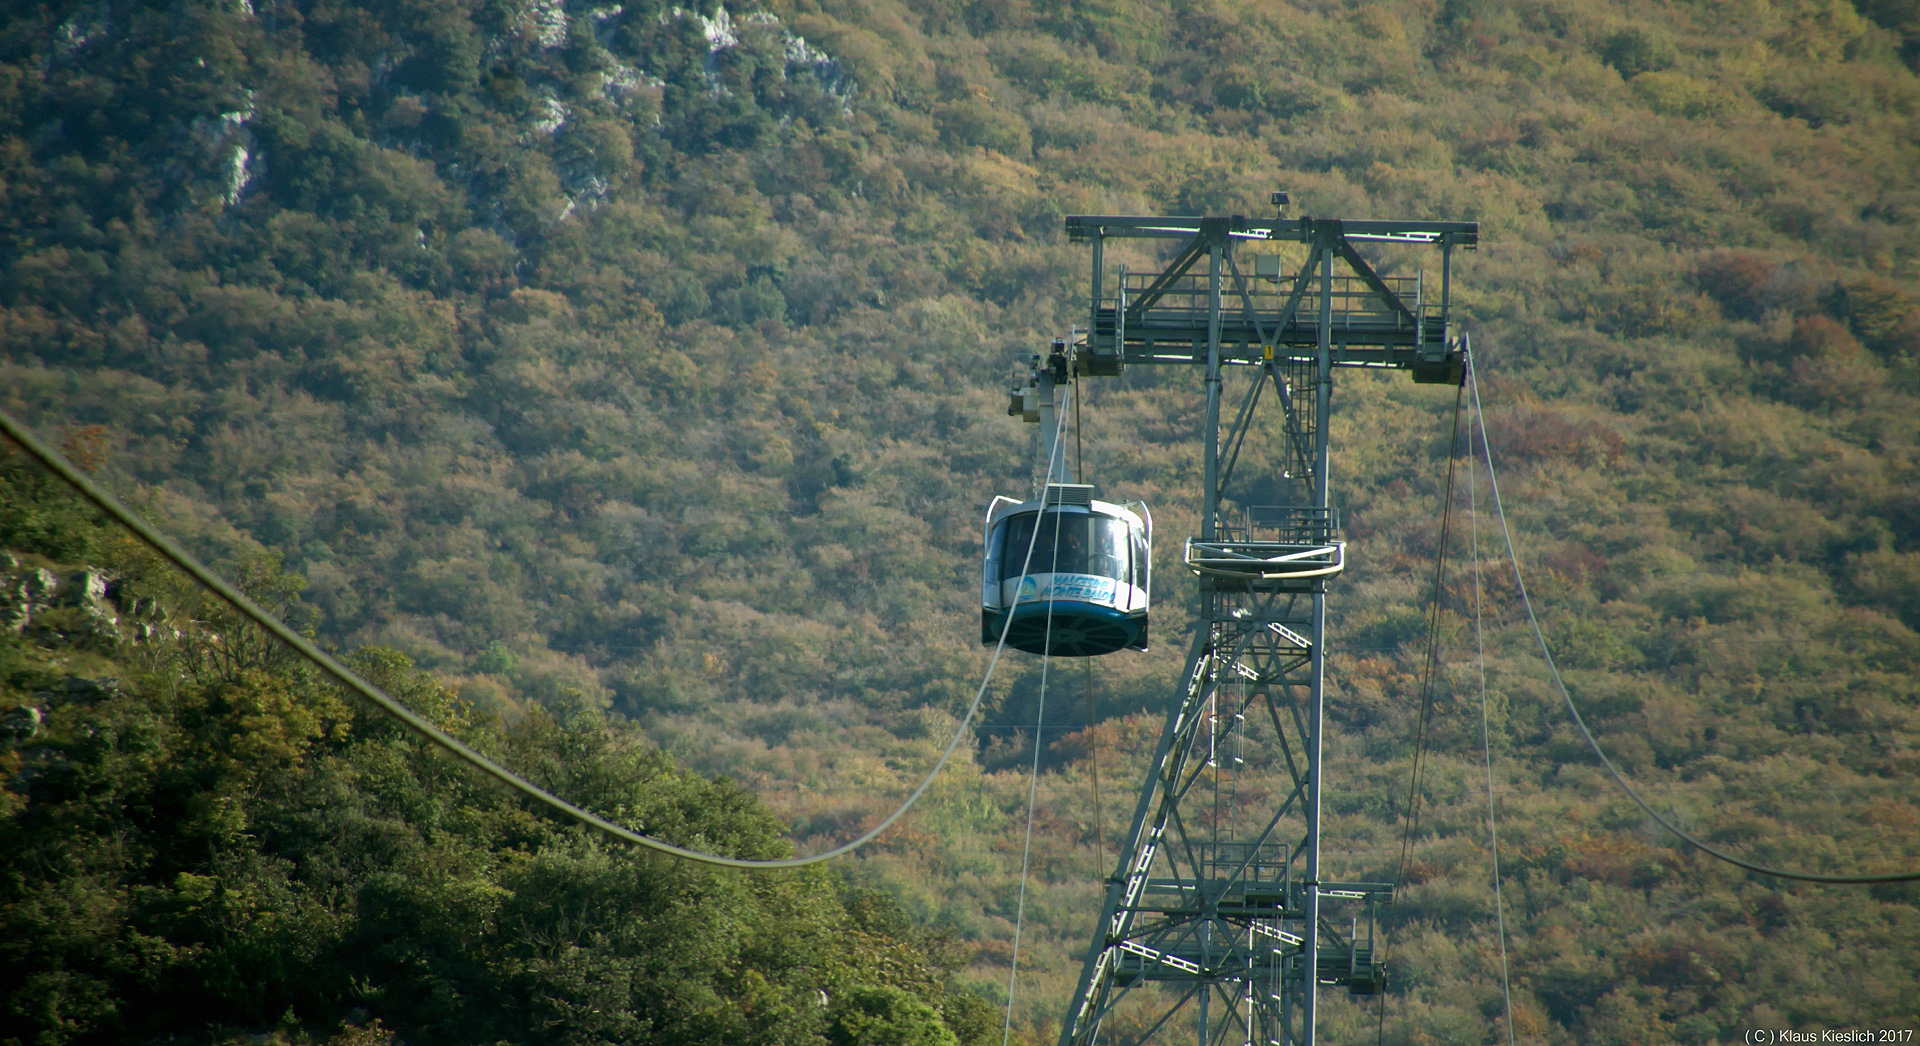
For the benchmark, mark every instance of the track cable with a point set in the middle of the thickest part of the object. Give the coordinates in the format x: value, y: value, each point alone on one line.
x: 1040, y: 713
x: 406, y: 717
x: 1430, y: 665
x: 1411, y: 820
x: 1573, y: 711
x: 1093, y: 738
x: 1033, y: 793
x: 1486, y: 744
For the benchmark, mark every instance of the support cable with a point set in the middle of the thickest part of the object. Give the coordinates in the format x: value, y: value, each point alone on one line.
x: 1486, y: 744
x: 1093, y: 738
x: 1093, y: 757
x: 346, y: 677
x: 1033, y: 791
x: 1412, y: 818
x: 1039, y: 730
x: 1079, y: 463
x: 1573, y: 711
x: 1380, y: 1025
x: 1432, y: 660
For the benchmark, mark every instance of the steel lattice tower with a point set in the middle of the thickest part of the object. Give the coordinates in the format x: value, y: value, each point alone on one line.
x: 1217, y: 898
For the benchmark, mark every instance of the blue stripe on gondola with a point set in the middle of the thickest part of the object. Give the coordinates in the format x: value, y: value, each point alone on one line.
x: 1073, y: 609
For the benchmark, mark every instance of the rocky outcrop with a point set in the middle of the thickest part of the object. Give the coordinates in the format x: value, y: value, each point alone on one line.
x: 84, y: 607
x: 78, y: 690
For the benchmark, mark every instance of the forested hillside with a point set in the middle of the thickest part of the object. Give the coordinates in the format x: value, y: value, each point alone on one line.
x: 636, y: 373
x: 203, y: 839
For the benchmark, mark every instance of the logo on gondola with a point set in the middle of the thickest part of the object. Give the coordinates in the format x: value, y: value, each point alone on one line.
x: 1066, y: 586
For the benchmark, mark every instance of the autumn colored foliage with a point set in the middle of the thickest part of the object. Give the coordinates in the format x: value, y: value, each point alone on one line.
x: 624, y: 381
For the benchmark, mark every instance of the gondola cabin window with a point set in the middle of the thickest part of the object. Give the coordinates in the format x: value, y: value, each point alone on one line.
x: 1068, y: 543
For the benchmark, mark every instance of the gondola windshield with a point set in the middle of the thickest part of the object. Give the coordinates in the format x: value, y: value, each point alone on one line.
x: 1068, y: 543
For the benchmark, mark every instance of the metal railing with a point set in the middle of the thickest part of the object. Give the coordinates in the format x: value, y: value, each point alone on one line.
x: 1277, y: 542
x: 1185, y: 302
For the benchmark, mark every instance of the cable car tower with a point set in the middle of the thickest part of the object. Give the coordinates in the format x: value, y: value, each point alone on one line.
x: 1218, y: 902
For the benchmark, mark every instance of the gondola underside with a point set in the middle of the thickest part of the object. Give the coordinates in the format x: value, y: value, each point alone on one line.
x: 1066, y: 628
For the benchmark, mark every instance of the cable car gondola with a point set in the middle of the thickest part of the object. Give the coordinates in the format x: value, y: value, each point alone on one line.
x: 1082, y: 590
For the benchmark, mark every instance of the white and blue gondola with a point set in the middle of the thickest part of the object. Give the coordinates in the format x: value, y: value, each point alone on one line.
x: 1084, y: 588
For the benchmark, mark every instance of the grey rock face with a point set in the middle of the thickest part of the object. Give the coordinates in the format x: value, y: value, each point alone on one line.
x: 16, y: 605
x: 82, y: 608
x: 79, y: 690
x: 86, y: 587
x: 41, y: 584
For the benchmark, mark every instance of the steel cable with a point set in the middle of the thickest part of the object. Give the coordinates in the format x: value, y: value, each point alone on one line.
x: 1430, y: 663
x: 1093, y: 738
x: 1486, y: 745
x: 346, y: 677
x: 1033, y: 792
x: 1573, y: 711
x: 1040, y: 714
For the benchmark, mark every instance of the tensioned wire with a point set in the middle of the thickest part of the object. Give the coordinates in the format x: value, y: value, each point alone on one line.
x: 1573, y: 711
x: 1486, y: 741
x: 1430, y: 666
x: 1033, y: 790
x: 346, y: 677
x: 1040, y: 713
x: 1093, y: 739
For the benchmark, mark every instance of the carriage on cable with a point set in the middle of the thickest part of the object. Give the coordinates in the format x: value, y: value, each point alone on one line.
x: 1073, y: 574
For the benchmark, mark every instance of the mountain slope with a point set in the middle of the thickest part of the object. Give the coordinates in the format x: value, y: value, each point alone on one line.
x: 635, y: 359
